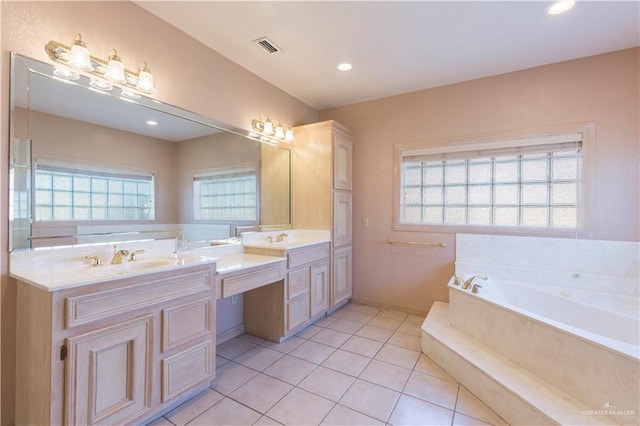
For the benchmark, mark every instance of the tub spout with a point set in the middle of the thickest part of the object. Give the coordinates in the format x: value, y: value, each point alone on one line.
x: 468, y: 283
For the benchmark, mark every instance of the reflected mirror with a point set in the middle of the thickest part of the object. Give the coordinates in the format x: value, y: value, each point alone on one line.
x: 89, y: 165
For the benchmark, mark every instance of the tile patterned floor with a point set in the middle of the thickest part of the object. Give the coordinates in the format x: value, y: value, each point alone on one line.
x: 358, y: 366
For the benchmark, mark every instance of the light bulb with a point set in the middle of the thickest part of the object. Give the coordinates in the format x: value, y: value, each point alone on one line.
x: 115, y: 68
x: 145, y: 79
x: 288, y: 135
x: 268, y: 127
x: 279, y: 131
x: 560, y: 6
x: 80, y: 57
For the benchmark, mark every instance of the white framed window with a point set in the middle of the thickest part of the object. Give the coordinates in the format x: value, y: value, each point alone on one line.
x: 226, y: 195
x: 514, y: 184
x: 75, y: 193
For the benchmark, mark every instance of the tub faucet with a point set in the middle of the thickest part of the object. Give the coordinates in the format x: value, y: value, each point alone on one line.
x: 117, y: 257
x: 281, y: 237
x: 470, y: 281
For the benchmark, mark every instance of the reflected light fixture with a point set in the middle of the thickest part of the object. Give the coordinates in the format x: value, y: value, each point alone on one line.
x: 560, y: 6
x: 266, y: 132
x: 345, y: 67
x: 103, y: 73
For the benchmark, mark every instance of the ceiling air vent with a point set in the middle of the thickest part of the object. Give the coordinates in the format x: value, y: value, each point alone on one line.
x: 267, y: 45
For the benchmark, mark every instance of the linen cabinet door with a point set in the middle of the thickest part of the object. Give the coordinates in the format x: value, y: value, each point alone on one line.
x: 342, y: 161
x: 342, y: 222
x: 319, y: 288
x: 342, y: 265
x: 108, y: 374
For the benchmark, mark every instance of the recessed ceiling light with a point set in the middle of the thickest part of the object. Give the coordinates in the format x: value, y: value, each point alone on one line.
x: 345, y: 67
x: 152, y: 123
x: 560, y: 6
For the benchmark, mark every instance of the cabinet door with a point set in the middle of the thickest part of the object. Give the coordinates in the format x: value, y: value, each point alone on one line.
x: 108, y: 375
x: 342, y: 161
x: 341, y: 218
x: 341, y: 285
x: 319, y: 288
x: 297, y: 311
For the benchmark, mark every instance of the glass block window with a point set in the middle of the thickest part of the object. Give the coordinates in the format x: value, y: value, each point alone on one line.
x: 530, y: 182
x: 226, y: 195
x: 73, y: 194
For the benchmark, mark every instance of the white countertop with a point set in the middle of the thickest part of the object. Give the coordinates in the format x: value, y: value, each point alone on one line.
x: 244, y: 261
x: 65, y: 268
x: 55, y: 276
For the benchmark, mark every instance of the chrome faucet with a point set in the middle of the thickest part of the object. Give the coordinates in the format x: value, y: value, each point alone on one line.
x: 470, y: 281
x: 132, y: 256
x: 118, y: 255
x: 281, y: 237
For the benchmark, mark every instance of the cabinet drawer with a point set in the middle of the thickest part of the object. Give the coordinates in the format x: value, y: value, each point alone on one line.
x: 298, y: 283
x: 304, y: 256
x: 101, y: 304
x: 185, y: 322
x: 250, y: 280
x: 186, y: 369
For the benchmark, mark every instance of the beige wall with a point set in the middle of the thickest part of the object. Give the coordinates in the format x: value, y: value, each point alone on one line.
x: 187, y: 74
x: 603, y: 89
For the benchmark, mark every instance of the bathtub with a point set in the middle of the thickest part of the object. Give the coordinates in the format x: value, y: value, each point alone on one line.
x: 583, y: 342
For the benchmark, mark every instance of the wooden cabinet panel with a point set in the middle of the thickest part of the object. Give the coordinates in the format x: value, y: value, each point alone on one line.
x: 186, y: 322
x: 90, y: 307
x: 307, y: 255
x: 319, y: 290
x: 109, y: 374
x: 186, y: 369
x: 342, y: 265
x: 250, y: 280
x: 341, y: 218
x: 297, y: 311
x: 298, y: 283
x: 342, y: 161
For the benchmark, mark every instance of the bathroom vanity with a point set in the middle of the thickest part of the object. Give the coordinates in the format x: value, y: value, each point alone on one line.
x: 113, y: 348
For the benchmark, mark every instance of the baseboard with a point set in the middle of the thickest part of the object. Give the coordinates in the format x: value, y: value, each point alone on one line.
x: 229, y: 334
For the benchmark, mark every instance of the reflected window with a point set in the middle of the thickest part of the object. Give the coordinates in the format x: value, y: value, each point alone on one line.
x: 226, y: 195
x: 77, y: 194
x: 529, y: 183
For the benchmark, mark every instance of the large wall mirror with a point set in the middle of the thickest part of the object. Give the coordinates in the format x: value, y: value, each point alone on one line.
x: 89, y: 165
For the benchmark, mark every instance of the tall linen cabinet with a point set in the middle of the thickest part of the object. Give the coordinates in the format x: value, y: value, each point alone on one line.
x: 322, y: 195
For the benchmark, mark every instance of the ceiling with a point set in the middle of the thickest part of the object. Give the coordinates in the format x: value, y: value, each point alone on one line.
x: 397, y: 47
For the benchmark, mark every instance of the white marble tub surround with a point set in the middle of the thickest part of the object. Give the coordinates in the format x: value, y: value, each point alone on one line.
x: 66, y: 267
x: 563, y: 310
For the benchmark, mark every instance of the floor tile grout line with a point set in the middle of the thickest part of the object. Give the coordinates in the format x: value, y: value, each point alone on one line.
x: 370, y: 358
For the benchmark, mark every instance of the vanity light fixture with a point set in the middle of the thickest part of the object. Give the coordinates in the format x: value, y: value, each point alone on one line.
x: 104, y: 73
x: 115, y: 68
x: 266, y: 131
x: 79, y: 57
x: 560, y: 6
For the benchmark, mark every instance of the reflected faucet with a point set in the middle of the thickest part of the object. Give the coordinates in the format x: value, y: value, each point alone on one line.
x: 470, y: 281
x: 281, y: 237
x: 132, y: 257
x: 117, y: 257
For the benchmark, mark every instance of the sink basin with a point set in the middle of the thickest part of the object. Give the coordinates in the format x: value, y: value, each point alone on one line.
x: 139, y: 265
